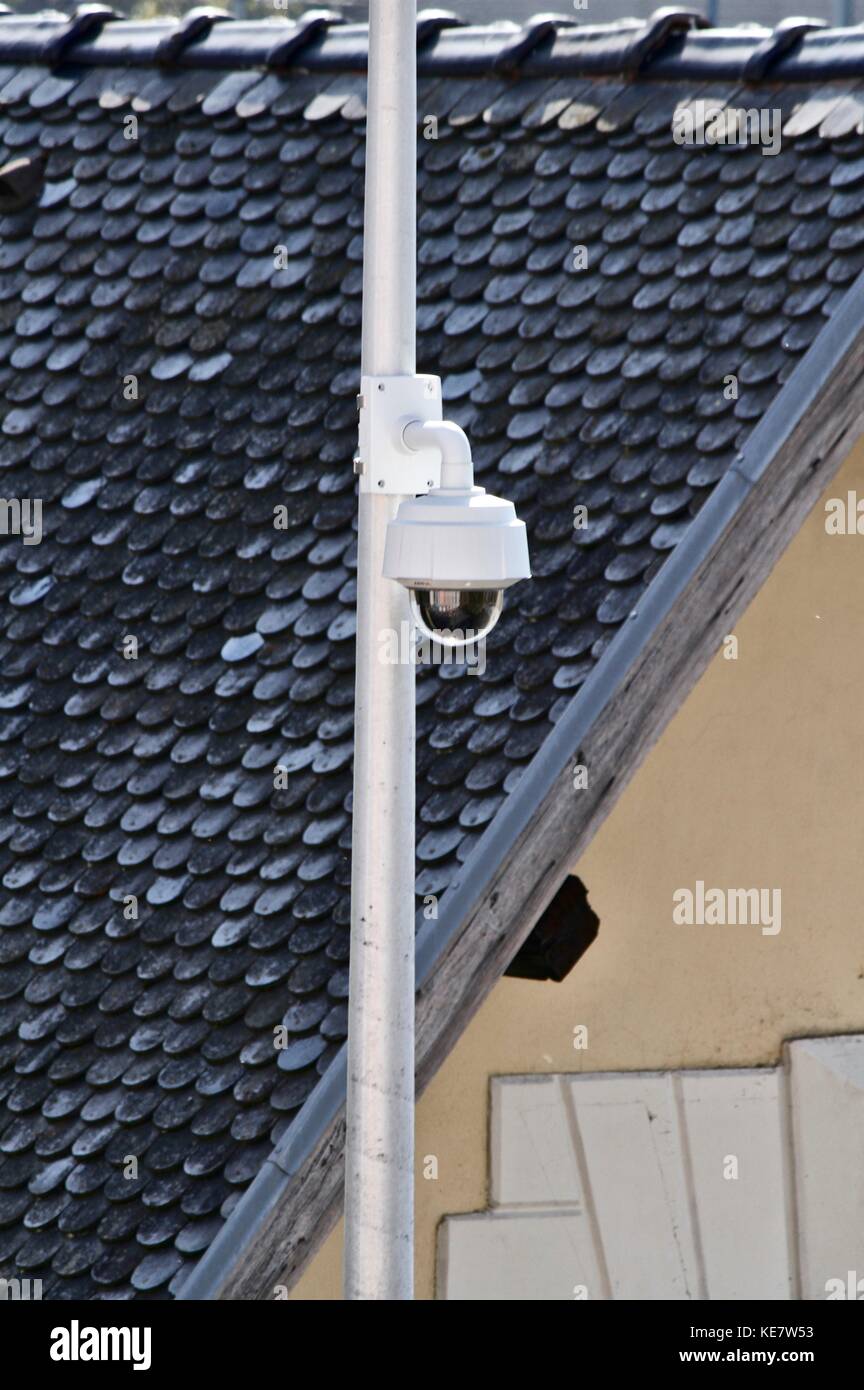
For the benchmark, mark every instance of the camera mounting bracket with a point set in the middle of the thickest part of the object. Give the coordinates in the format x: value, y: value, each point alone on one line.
x: 383, y: 462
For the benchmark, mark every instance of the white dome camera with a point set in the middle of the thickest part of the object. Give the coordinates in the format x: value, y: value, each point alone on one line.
x: 455, y: 548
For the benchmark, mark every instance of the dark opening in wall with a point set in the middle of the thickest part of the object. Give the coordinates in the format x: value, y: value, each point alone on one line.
x: 561, y: 936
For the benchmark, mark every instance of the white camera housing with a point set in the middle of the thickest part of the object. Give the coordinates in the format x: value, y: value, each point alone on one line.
x: 456, y: 550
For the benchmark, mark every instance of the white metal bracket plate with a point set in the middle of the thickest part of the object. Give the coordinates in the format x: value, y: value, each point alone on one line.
x: 383, y: 462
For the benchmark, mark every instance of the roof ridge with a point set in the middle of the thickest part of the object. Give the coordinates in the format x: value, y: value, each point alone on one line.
x: 674, y: 42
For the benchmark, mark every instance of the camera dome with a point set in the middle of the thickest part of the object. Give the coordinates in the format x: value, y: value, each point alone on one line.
x: 456, y: 550
x: 456, y: 617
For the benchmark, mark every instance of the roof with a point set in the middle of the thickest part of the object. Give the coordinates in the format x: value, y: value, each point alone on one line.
x: 153, y: 258
x: 673, y: 43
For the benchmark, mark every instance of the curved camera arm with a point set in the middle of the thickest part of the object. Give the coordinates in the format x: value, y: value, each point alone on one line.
x: 457, y: 470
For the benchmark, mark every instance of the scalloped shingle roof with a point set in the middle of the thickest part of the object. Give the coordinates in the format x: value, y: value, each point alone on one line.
x: 153, y: 257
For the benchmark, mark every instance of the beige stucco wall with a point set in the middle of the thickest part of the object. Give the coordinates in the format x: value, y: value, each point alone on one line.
x: 757, y: 782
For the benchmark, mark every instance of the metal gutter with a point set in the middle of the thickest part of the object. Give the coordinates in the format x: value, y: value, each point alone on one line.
x: 672, y: 44
x: 476, y: 876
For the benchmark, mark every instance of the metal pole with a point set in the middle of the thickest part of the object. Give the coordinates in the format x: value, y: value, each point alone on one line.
x: 379, y: 1157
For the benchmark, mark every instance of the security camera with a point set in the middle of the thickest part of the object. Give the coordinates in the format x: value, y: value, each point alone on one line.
x: 456, y: 548
x: 454, y: 617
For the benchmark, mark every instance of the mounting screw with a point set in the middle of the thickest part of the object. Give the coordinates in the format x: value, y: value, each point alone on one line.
x: 380, y: 482
x: 380, y: 385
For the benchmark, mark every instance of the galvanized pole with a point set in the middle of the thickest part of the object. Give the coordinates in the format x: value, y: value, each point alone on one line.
x: 379, y: 1158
